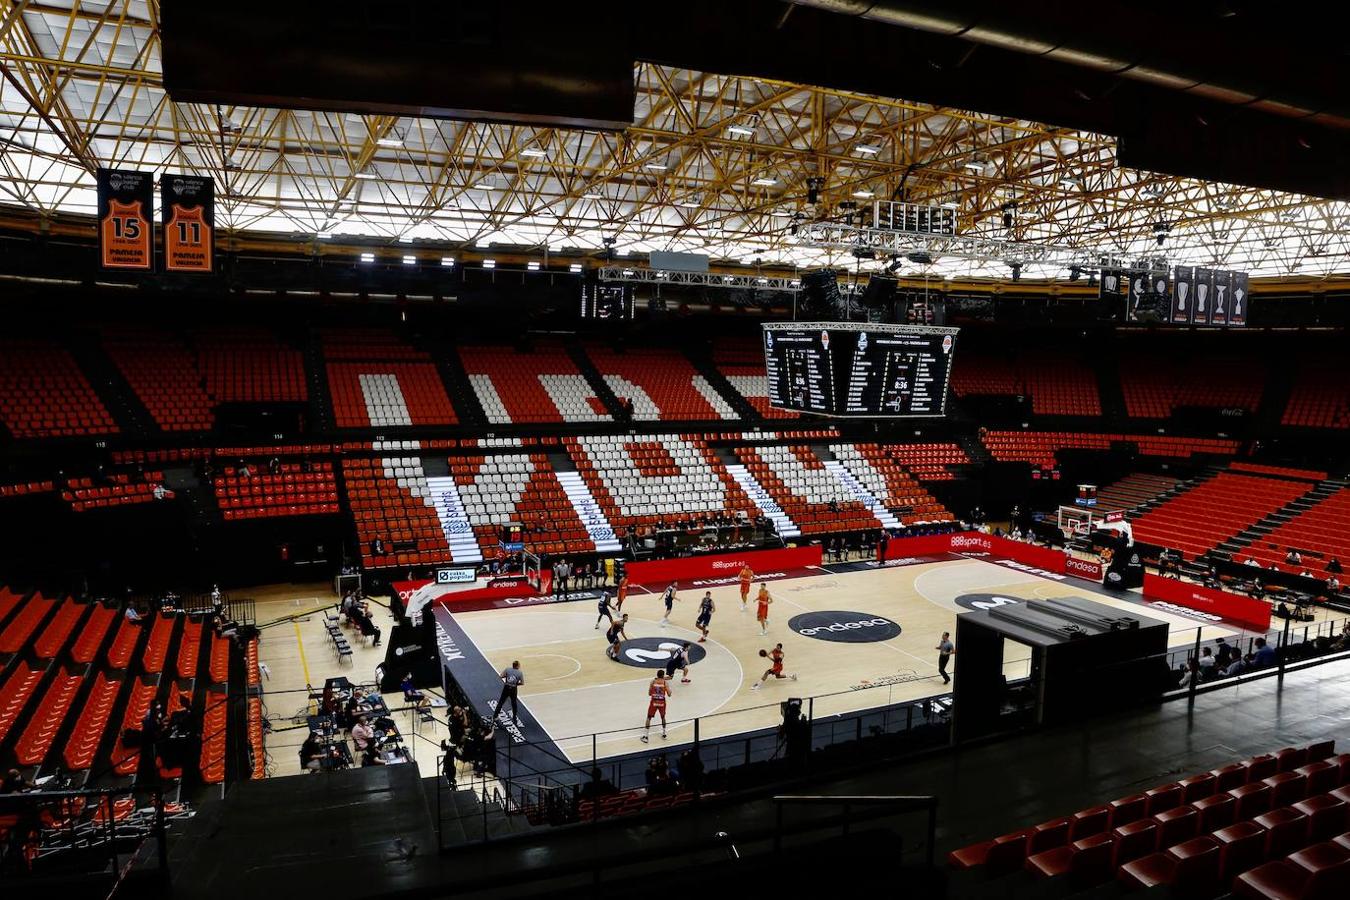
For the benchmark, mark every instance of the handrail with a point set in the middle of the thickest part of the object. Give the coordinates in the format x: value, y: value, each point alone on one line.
x: 897, y: 802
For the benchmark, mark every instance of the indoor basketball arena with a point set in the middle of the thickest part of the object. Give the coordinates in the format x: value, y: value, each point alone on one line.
x: 601, y: 449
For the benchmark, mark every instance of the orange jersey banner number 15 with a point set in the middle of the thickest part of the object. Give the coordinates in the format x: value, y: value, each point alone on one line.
x: 126, y: 234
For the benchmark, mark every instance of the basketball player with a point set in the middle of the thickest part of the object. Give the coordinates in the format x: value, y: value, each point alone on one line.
x: 775, y: 669
x: 679, y: 660
x: 657, y: 692
x: 706, y: 608
x: 603, y: 607
x: 747, y: 575
x: 623, y: 593
x: 762, y: 612
x: 613, y: 634
x: 669, y: 599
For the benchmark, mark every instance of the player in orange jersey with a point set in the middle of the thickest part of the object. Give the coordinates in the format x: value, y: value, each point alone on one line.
x: 623, y: 593
x: 747, y: 575
x: 657, y: 692
x: 762, y: 610
x: 775, y: 668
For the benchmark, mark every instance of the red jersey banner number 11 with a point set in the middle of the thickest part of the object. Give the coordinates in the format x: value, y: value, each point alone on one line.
x: 188, y: 207
x: 126, y: 234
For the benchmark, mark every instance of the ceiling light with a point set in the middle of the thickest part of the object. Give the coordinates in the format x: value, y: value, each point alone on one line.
x: 764, y: 182
x: 366, y: 176
x: 974, y: 164
x: 574, y: 267
x: 534, y: 152
x: 761, y: 280
x: 655, y: 167
x: 532, y: 265
x: 483, y: 244
x: 324, y: 235
x: 867, y: 149
x: 405, y: 239
x: 591, y: 195
x: 740, y: 130
x: 627, y: 273
x: 489, y: 264
x: 727, y: 279
x: 410, y: 260
x: 367, y: 257
x: 862, y: 195
x: 448, y: 262
x: 389, y: 141
x: 689, y: 203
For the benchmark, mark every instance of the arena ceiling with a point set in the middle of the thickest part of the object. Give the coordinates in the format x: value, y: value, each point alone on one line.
x: 717, y: 164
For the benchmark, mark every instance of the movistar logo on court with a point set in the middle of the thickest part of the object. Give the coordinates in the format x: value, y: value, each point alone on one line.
x: 655, y: 652
x: 846, y: 627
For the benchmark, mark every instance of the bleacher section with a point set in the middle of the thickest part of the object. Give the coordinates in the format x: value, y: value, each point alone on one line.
x: 124, y: 489
x: 1318, y: 398
x: 1057, y: 387
x: 1213, y: 511
x: 375, y: 380
x: 295, y: 490
x: 250, y: 365
x: 1155, y: 386
x: 1134, y: 490
x: 741, y: 362
x: 543, y: 385
x: 518, y: 487
x: 1038, y: 447
x: 60, y: 694
x: 879, y: 470
x: 662, y: 385
x: 390, y: 500
x: 164, y: 374
x: 813, y: 497
x: 637, y: 480
x: 926, y: 462
x: 43, y: 393
x: 1272, y: 826
x: 1319, y: 535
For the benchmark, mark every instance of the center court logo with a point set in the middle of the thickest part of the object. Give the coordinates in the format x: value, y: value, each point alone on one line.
x: 845, y: 627
x: 655, y: 652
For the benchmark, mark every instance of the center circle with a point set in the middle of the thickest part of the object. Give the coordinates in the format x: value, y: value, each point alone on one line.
x: 655, y: 652
x: 843, y: 626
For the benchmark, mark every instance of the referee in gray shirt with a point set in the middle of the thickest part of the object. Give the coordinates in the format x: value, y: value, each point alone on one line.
x: 512, y: 679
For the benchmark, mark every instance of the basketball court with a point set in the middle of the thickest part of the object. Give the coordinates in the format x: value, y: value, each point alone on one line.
x: 857, y: 636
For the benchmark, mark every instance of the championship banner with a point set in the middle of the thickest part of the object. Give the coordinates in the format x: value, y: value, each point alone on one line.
x: 1112, y: 284
x: 188, y: 210
x: 126, y: 233
x: 1183, y: 295
x: 1136, y: 286
x: 1204, y: 295
x: 1223, y: 286
x: 1237, y: 309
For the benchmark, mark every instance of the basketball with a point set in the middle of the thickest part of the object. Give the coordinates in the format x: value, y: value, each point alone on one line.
x: 764, y: 653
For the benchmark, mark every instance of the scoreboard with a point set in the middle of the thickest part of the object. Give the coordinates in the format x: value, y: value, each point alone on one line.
x: 858, y: 369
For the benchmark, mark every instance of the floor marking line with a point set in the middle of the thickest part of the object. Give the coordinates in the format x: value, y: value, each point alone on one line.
x: 300, y: 643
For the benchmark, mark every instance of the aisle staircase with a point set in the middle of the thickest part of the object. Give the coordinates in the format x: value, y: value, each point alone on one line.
x: 785, y: 527
x: 454, y: 521
x: 598, y: 528
x: 1291, y: 510
x: 863, y: 495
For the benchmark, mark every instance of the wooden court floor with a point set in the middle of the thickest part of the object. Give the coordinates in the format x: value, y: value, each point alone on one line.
x: 589, y: 704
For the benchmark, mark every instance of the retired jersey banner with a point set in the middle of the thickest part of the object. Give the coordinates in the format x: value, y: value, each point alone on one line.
x: 188, y: 208
x: 126, y: 209
x: 1183, y: 294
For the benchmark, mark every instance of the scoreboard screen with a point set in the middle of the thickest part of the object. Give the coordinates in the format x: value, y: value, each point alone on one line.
x: 606, y: 301
x: 858, y: 370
